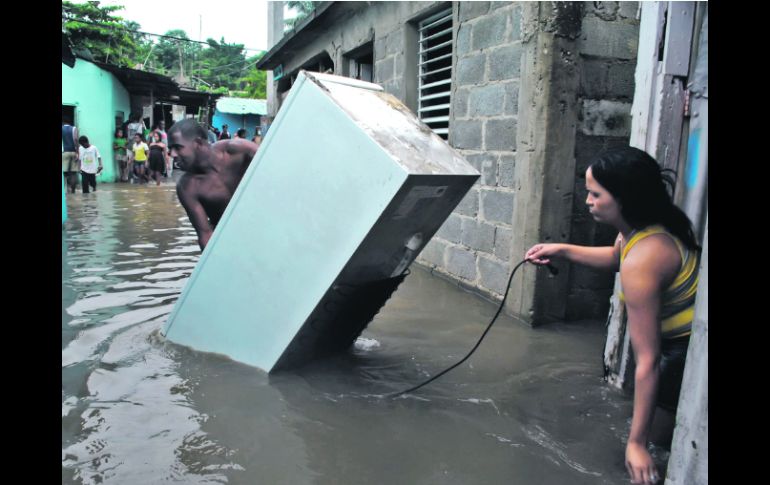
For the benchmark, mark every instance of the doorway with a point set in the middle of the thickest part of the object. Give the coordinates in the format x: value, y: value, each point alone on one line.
x: 68, y: 114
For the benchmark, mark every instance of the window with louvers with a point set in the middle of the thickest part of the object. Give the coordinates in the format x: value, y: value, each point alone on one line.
x: 435, y: 71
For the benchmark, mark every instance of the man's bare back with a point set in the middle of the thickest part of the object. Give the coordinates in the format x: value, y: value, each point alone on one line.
x: 213, y: 172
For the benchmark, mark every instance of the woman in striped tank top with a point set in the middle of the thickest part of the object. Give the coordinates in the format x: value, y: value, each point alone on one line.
x: 657, y: 255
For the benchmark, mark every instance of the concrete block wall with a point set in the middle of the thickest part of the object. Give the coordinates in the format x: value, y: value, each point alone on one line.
x: 608, y: 46
x: 474, y: 244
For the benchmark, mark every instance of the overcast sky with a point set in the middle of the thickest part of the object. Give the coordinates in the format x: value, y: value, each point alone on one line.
x: 238, y: 21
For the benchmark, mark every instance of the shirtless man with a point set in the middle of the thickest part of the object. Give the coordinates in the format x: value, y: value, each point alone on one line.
x: 213, y: 172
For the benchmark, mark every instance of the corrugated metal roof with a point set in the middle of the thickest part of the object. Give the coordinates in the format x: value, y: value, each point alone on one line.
x: 242, y: 106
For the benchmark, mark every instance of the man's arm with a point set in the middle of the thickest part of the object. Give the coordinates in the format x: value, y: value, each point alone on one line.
x: 75, y: 141
x: 189, y: 198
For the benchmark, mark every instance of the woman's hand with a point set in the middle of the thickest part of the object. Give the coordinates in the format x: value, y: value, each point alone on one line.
x: 542, y: 253
x: 640, y: 465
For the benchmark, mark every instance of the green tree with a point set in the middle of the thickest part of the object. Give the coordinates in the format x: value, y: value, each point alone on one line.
x: 302, y: 8
x: 221, y: 64
x: 254, y: 83
x: 172, y: 56
x: 94, y: 30
x: 144, y: 45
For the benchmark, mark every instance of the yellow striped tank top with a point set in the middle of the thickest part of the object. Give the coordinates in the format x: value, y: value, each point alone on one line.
x: 678, y: 305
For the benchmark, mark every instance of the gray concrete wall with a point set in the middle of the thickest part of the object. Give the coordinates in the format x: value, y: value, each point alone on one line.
x: 608, y: 46
x: 480, y: 242
x: 474, y: 245
x: 355, y: 24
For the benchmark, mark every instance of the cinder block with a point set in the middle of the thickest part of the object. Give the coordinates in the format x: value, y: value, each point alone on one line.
x: 497, y: 206
x: 503, y: 239
x: 471, y: 10
x: 593, y: 78
x: 511, y: 107
x: 620, y: 81
x: 505, y: 63
x: 464, y: 39
x: 487, y: 100
x: 500, y: 134
x: 451, y: 230
x: 609, y: 39
x: 433, y: 253
x: 493, y: 275
x: 466, y: 134
x: 460, y: 103
x: 461, y: 263
x: 470, y: 70
x: 515, y: 21
x: 489, y: 31
x: 505, y: 172
x: 478, y: 235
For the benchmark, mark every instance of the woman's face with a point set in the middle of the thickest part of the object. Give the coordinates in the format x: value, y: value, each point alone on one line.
x: 601, y: 204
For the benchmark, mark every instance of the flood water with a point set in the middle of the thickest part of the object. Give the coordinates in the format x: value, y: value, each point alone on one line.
x: 530, y: 407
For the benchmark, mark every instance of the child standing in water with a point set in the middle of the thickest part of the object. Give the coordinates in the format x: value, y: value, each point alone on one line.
x: 139, y: 154
x: 90, y: 164
x: 119, y: 145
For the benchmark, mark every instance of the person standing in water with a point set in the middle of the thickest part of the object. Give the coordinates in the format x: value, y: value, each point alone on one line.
x: 90, y: 164
x: 119, y: 145
x: 139, y: 152
x: 70, y: 160
x: 658, y: 256
x: 157, y: 160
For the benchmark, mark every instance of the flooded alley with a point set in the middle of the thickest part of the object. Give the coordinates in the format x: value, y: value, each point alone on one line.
x: 530, y: 407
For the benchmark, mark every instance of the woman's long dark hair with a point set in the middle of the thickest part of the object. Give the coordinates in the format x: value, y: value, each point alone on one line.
x: 637, y: 182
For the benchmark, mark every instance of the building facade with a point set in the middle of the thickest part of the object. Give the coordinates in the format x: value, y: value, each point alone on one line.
x: 96, y: 98
x: 528, y: 92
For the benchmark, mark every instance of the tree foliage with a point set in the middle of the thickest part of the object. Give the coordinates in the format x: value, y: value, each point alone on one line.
x: 215, y: 66
x: 302, y: 8
x: 95, y: 31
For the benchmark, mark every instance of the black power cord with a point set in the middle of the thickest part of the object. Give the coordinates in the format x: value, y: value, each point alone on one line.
x: 553, y: 271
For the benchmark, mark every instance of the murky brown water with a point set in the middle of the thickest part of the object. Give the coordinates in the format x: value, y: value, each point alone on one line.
x: 529, y: 407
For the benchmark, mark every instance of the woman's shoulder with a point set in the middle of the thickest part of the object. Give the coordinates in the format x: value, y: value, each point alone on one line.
x: 656, y: 252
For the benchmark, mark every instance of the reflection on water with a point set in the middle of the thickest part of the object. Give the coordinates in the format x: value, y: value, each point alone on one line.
x: 528, y: 408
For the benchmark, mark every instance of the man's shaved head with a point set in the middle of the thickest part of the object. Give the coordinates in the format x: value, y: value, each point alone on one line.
x: 189, y: 129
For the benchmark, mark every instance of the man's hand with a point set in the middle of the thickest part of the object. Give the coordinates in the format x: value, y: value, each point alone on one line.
x: 640, y: 465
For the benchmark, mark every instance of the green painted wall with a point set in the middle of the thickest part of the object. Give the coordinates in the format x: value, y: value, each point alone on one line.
x: 97, y: 95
